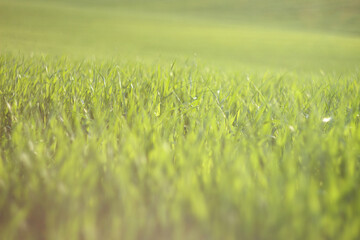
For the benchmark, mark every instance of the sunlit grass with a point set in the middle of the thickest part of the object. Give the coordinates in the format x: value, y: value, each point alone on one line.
x: 179, y: 120
x: 99, y: 150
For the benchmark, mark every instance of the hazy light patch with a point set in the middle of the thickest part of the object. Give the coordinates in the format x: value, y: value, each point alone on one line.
x: 327, y: 119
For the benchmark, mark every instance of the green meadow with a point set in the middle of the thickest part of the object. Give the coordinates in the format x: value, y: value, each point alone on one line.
x: 166, y: 119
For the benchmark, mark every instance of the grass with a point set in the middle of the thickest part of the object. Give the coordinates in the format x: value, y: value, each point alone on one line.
x: 127, y: 33
x: 111, y: 128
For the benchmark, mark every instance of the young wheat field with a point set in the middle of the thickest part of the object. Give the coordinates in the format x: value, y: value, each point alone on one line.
x: 179, y: 120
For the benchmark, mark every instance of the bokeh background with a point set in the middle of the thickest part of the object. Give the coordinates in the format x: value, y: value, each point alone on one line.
x: 295, y: 35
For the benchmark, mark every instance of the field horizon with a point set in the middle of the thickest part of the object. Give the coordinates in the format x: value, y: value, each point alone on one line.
x: 84, y: 29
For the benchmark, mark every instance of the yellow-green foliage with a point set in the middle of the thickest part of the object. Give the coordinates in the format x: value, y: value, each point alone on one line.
x: 179, y: 119
x: 105, y: 151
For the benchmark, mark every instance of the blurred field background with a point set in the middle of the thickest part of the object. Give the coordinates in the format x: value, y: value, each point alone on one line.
x: 293, y: 35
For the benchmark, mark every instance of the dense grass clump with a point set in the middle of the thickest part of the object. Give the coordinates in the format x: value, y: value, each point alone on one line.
x: 101, y: 150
